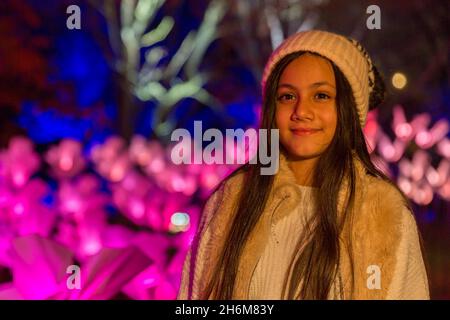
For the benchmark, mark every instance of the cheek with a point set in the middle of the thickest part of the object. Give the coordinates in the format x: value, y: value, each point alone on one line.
x: 329, y: 121
x: 281, y: 118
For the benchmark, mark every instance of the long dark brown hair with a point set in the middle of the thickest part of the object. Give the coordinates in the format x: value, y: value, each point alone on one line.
x: 316, y: 267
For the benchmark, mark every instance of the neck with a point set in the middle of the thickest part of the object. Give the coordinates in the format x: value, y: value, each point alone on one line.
x: 303, y: 170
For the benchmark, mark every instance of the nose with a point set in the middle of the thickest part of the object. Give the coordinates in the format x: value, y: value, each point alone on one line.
x: 302, y: 111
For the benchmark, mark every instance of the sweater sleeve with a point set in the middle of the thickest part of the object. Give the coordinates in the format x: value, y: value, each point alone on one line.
x: 409, y: 280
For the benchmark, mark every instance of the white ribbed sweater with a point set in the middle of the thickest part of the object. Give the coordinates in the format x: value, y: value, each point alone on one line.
x: 272, y: 268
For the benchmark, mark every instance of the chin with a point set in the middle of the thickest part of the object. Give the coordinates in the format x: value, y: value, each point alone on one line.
x: 303, y: 154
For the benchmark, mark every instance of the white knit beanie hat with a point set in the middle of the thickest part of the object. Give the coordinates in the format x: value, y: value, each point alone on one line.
x: 348, y: 55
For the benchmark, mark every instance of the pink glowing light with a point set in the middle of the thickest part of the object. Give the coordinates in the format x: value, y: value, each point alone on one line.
x: 73, y: 205
x: 424, y: 139
x: 178, y: 184
x: 156, y: 165
x: 420, y: 163
x: 91, y: 246
x: 438, y: 131
x: 132, y: 196
x: 130, y: 182
x: 405, y: 167
x: 422, y: 194
x: 18, y: 178
x: 420, y: 122
x: 112, y: 147
x: 137, y: 208
x: 71, y: 201
x: 391, y: 152
x: 19, y: 162
x: 66, y: 159
x: 405, y: 185
x: 444, y: 190
x: 437, y: 177
x: 433, y: 177
x: 398, y: 116
x: 19, y: 208
x: 417, y: 173
x: 402, y: 129
x: 139, y: 151
x: 443, y: 148
x: 154, y: 219
x: 111, y: 159
x: 119, y: 169
x: 22, y: 212
x: 5, y: 197
x: 209, y: 179
x: 190, y: 185
x: 66, y: 163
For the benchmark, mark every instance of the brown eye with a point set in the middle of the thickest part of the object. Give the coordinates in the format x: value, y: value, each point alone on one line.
x: 286, y: 97
x: 322, y: 96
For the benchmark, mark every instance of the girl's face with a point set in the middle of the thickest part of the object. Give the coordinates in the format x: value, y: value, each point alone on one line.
x: 306, y: 106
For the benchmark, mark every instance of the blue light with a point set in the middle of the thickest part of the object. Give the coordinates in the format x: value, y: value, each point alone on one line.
x: 50, y: 125
x: 79, y: 59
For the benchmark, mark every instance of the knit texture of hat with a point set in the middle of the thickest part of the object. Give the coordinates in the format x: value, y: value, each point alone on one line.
x: 347, y: 54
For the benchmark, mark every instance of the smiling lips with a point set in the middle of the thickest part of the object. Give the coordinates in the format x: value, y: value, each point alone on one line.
x: 304, y: 131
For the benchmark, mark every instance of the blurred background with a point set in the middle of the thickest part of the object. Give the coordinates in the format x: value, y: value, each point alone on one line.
x: 86, y: 116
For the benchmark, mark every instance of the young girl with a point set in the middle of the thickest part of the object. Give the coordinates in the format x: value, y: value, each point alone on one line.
x: 328, y: 224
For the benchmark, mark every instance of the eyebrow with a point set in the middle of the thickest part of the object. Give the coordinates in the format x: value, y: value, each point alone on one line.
x: 314, y: 85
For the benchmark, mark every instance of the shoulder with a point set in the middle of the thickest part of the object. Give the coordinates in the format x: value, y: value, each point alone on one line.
x: 377, y: 187
x: 376, y: 198
x: 227, y: 189
x: 226, y: 193
x: 383, y: 201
